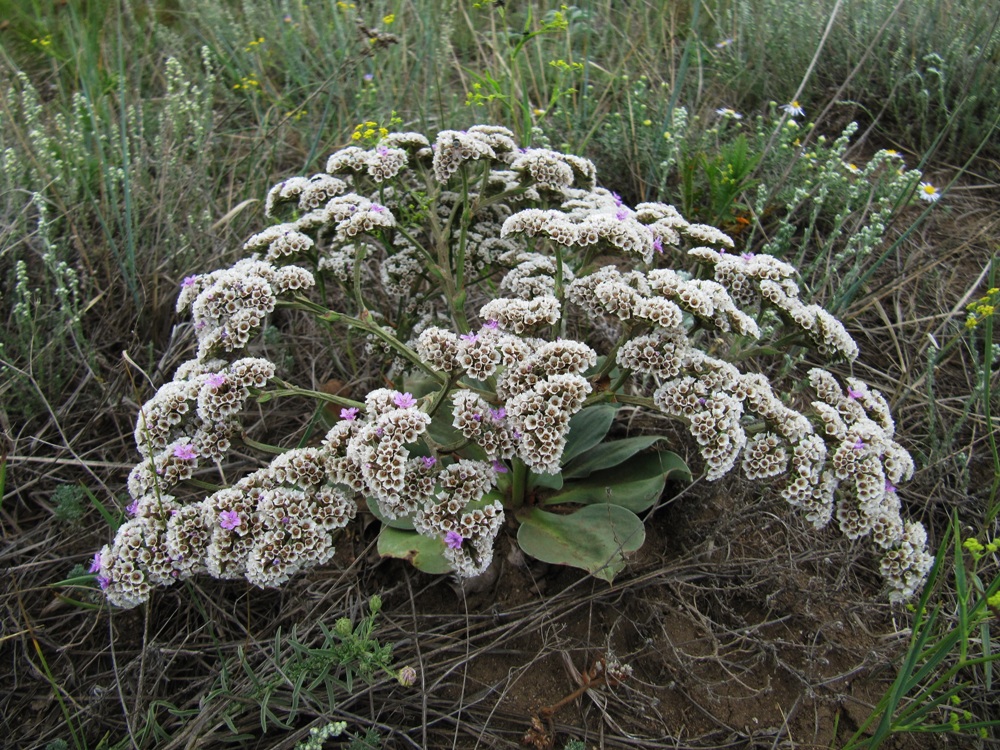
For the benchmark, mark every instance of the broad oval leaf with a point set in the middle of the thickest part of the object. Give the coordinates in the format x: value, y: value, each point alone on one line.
x: 405, y: 523
x: 422, y: 552
x: 587, y: 428
x: 595, y: 538
x: 635, y: 484
x: 606, y: 455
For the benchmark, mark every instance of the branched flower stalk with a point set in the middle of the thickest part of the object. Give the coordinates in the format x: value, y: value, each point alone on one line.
x: 511, y: 305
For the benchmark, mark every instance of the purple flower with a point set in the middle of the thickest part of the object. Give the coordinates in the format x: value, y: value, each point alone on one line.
x: 470, y: 337
x: 199, y: 325
x: 188, y: 281
x: 377, y: 208
x: 349, y: 414
x: 404, y: 400
x: 230, y: 519
x: 132, y: 508
x: 428, y: 461
x: 490, y: 324
x: 498, y: 414
x: 617, y: 198
x: 498, y: 467
x: 185, y: 452
x: 368, y: 77
x: 453, y: 539
x: 478, y: 417
x: 889, y: 486
x: 380, y: 432
x: 702, y: 401
x: 286, y: 520
x: 853, y: 394
x: 621, y: 214
x: 103, y: 582
x: 382, y: 151
x: 95, y: 564
x: 747, y: 256
x: 859, y: 445
x: 216, y: 380
x: 658, y: 244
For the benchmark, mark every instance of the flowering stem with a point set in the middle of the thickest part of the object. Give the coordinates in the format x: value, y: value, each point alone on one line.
x: 612, y: 356
x: 518, y: 483
x: 263, y: 447
x: 369, y: 326
x: 287, y: 389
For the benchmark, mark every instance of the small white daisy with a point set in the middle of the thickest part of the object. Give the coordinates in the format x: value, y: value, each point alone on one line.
x: 793, y: 108
x: 728, y: 112
x: 928, y: 192
x: 852, y: 167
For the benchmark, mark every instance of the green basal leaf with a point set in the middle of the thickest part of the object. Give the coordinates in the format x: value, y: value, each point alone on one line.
x: 405, y: 523
x: 635, y: 484
x: 595, y: 538
x: 422, y: 552
x: 548, y: 481
x: 441, y: 429
x: 587, y: 428
x: 606, y: 455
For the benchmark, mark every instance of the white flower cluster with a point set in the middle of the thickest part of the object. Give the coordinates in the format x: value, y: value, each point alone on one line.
x: 377, y: 448
x: 191, y: 419
x: 458, y: 515
x: 266, y: 527
x: 229, y: 306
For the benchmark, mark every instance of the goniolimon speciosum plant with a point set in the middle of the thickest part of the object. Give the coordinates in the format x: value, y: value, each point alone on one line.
x: 512, y: 306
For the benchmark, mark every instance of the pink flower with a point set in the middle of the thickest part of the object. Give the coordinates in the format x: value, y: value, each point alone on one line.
x: 498, y: 414
x: 490, y: 324
x: 470, y: 337
x: 185, y: 452
x: 377, y: 208
x: 230, y: 519
x: 453, y: 540
x: 852, y: 394
x: 658, y: 244
x: 407, y: 676
x: 404, y: 400
x: 859, y: 445
x: 216, y: 380
x: 889, y: 486
x: 621, y: 214
x: 498, y: 467
x: 188, y: 281
x: 617, y: 198
x: 95, y: 564
x: 349, y: 414
x: 428, y: 461
x: 132, y: 508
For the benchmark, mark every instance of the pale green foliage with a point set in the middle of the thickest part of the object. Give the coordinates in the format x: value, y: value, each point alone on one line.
x: 295, y: 673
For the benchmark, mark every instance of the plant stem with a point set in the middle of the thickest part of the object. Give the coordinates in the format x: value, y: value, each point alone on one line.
x: 518, y: 483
